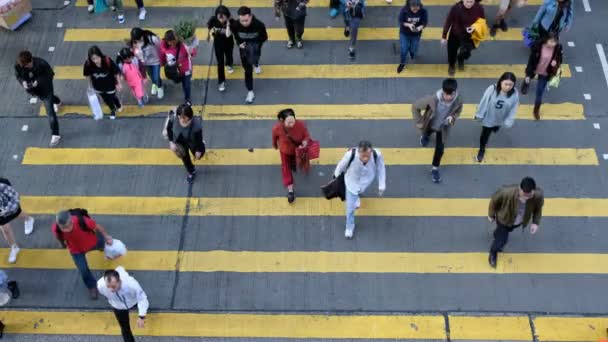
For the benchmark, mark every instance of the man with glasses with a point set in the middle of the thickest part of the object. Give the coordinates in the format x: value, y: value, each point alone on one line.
x: 512, y: 207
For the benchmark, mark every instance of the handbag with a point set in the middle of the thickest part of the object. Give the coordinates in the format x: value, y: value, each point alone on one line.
x: 555, y: 80
x: 94, y: 104
x: 337, y: 186
x: 172, y: 72
x: 531, y: 35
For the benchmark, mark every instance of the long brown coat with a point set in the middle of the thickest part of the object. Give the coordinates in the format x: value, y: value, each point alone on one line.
x: 423, y: 112
x: 504, y: 203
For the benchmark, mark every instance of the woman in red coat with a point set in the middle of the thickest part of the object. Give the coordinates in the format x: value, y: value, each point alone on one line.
x: 288, y: 134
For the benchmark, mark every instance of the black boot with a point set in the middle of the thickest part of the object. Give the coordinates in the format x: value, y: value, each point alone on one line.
x: 536, y: 111
x: 492, y: 259
x: 14, y: 288
x: 493, y: 30
x: 503, y: 26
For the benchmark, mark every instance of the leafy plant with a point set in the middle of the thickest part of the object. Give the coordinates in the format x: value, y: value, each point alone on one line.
x: 185, y: 29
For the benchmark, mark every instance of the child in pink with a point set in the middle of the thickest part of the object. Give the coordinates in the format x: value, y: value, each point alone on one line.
x: 129, y: 65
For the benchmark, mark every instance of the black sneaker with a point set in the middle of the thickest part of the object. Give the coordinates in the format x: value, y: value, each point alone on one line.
x: 190, y: 177
x: 503, y: 26
x: 351, y: 53
x: 492, y: 260
x: 435, y: 176
x: 400, y: 68
x: 451, y: 70
x: 460, y: 65
x: 480, y: 155
x: 346, y: 32
x: 424, y: 141
x: 14, y: 288
x: 291, y: 197
x: 493, y: 31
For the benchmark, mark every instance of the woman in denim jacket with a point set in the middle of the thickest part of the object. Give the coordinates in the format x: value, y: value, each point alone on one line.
x: 554, y: 16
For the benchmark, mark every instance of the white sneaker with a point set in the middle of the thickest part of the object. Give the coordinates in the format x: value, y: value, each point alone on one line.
x: 230, y: 69
x: 121, y: 18
x: 91, y: 8
x: 389, y: 1
x: 119, y: 109
x: 12, y: 256
x: 29, y: 225
x: 258, y: 69
x: 142, y: 14
x: 349, y: 231
x: 358, y: 204
x: 160, y: 93
x: 54, y: 140
x: 250, y: 97
x: 154, y: 89
x: 56, y: 107
x: 222, y: 87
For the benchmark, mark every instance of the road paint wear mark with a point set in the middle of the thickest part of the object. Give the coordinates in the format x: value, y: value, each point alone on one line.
x: 586, y: 6
x: 587, y: 96
x: 24, y: 128
x: 571, y: 44
x: 578, y: 68
x: 60, y: 24
x: 51, y: 48
x: 603, y: 61
x: 596, y: 125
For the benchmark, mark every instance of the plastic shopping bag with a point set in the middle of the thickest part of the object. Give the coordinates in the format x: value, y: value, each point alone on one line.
x: 555, y: 80
x: 115, y: 250
x: 94, y: 104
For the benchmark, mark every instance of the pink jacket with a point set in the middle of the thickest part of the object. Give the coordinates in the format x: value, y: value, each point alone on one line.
x: 134, y: 78
x: 167, y: 55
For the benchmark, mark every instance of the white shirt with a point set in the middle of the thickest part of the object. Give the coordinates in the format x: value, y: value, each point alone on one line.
x: 129, y: 294
x: 359, y: 176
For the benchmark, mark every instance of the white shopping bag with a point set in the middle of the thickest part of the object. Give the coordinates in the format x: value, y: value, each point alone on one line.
x: 94, y: 104
x: 115, y: 250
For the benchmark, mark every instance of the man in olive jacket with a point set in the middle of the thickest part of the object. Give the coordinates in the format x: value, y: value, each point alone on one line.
x: 437, y: 113
x: 512, y: 207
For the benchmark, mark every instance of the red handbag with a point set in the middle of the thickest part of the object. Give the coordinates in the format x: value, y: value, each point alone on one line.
x: 314, y: 149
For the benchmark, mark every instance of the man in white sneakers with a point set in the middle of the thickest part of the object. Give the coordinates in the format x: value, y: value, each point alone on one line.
x: 360, y: 166
x: 124, y: 293
x: 10, y: 209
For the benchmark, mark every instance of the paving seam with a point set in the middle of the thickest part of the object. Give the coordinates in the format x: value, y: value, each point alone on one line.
x: 533, y: 328
x: 446, y: 319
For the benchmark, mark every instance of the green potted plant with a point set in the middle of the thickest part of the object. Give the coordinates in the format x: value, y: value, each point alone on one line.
x: 185, y: 29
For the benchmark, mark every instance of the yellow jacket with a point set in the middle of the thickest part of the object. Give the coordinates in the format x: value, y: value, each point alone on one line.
x: 481, y: 31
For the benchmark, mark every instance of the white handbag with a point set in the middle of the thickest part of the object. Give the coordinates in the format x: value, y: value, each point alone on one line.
x: 94, y: 104
x: 115, y: 250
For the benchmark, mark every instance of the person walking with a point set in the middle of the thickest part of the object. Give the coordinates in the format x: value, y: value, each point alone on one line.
x: 146, y: 47
x: 413, y: 18
x: 185, y: 134
x: 512, y: 207
x: 177, y: 56
x: 250, y: 34
x: 287, y: 135
x: 459, y: 24
x: 360, y: 167
x: 124, y: 293
x: 553, y: 16
x: 80, y: 234
x: 10, y: 209
x: 223, y: 43
x: 436, y: 114
x: 545, y: 61
x: 498, y: 107
x: 294, y: 12
x: 354, y: 12
x: 117, y: 5
x: 504, y: 7
x: 35, y: 75
x: 133, y: 75
x: 104, y: 77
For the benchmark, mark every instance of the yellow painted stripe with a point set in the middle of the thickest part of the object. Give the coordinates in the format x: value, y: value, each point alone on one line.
x: 269, y: 3
x: 280, y: 34
x: 329, y: 156
x: 571, y: 329
x: 341, y: 71
x: 561, y: 111
x: 482, y: 328
x: 323, y: 262
x: 230, y: 325
x: 278, y: 206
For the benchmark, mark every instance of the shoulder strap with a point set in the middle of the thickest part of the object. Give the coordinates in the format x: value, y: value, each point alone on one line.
x: 289, y: 137
x: 375, y: 156
x: 352, y: 157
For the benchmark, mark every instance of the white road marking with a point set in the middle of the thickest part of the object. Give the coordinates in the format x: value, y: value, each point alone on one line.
x: 596, y: 125
x: 578, y: 68
x: 51, y: 48
x: 600, y: 51
x: 65, y: 3
x: 15, y: 156
x: 587, y: 96
x: 605, y: 156
x: 33, y: 100
x: 60, y: 25
x: 586, y: 5
x: 571, y: 44
x: 24, y: 128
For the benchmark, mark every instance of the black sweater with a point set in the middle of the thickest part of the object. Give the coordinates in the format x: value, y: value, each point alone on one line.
x: 254, y: 33
x: 190, y: 137
x: 41, y: 72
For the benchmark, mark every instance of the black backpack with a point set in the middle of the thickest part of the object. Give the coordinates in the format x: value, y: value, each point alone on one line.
x: 80, y: 214
x: 172, y: 71
x: 5, y: 181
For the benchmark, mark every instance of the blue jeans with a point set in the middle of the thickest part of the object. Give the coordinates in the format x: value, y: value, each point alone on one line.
x: 187, y: 86
x: 353, y: 24
x: 541, y: 86
x: 351, y: 206
x: 154, y: 73
x: 408, y: 44
x: 80, y: 260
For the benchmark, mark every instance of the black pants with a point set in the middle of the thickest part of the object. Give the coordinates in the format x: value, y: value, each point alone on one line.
x: 485, y: 136
x: 48, y: 102
x: 501, y: 236
x: 223, y: 54
x: 459, y: 49
x: 248, y: 71
x: 295, y: 28
x: 111, y: 100
x: 439, y: 147
x: 140, y: 3
x: 122, y: 316
x: 186, y: 159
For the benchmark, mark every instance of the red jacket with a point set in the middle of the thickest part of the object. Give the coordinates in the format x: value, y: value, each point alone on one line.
x: 167, y: 54
x: 298, y: 132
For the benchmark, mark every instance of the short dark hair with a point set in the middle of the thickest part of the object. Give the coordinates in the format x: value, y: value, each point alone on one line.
x: 528, y: 184
x: 449, y: 85
x: 25, y: 57
x: 365, y: 145
x: 221, y: 9
x: 244, y: 10
x: 283, y: 114
x: 185, y: 110
x: 170, y: 36
x: 109, y: 274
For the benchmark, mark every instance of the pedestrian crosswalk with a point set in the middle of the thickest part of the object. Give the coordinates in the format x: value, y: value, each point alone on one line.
x: 433, y: 272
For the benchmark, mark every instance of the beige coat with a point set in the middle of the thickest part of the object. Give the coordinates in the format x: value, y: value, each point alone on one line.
x: 423, y: 112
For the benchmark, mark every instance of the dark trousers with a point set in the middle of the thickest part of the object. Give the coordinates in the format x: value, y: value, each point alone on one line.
x: 48, y: 102
x: 295, y: 28
x: 140, y: 3
x: 439, y: 147
x: 501, y: 236
x: 111, y: 100
x: 122, y: 316
x: 248, y: 71
x: 187, y: 87
x: 80, y: 260
x: 186, y: 159
x: 459, y: 49
x: 223, y: 54
x: 485, y: 136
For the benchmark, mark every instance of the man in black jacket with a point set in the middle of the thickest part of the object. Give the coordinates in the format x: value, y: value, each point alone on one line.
x: 185, y: 134
x: 36, y: 76
x: 250, y: 34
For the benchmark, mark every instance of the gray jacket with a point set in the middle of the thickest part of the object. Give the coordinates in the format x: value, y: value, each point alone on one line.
x: 151, y: 53
x: 497, y: 110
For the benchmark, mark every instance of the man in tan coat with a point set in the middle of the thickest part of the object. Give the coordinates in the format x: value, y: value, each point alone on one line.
x: 512, y: 207
x: 436, y: 114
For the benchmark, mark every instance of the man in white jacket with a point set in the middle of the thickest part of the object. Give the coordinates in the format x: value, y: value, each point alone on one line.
x: 124, y: 293
x: 360, y: 166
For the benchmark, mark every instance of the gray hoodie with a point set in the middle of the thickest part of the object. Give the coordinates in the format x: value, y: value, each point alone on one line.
x: 442, y: 111
x: 497, y: 110
x: 151, y: 53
